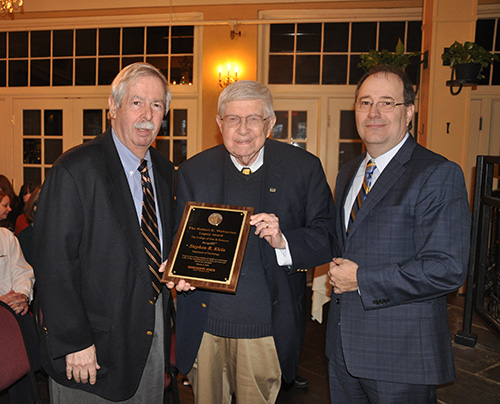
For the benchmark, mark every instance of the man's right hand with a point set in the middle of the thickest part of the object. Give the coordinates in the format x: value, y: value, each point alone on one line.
x: 82, y: 366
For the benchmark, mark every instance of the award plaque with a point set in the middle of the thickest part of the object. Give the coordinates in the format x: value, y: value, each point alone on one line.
x: 209, y: 246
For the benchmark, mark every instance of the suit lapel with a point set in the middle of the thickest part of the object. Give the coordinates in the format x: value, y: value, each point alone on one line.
x: 391, y: 174
x: 123, y: 207
x: 273, y: 179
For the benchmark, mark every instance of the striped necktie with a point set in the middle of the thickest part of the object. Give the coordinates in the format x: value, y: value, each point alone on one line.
x: 149, y: 227
x: 365, y: 188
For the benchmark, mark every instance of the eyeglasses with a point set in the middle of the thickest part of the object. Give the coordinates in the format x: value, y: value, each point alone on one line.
x: 252, y: 121
x: 382, y: 106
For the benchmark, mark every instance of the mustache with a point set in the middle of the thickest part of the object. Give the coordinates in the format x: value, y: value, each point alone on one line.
x: 145, y: 125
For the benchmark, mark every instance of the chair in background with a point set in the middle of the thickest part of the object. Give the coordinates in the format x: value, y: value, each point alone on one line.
x: 14, y: 356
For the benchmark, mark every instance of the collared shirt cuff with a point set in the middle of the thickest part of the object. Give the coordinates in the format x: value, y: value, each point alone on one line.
x: 283, y: 255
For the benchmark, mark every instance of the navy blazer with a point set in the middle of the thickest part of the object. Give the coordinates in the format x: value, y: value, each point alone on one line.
x: 294, y: 188
x: 410, y: 239
x: 91, y: 269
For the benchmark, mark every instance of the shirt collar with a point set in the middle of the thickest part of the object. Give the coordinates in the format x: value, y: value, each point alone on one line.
x: 259, y: 161
x: 129, y: 160
x: 382, y: 161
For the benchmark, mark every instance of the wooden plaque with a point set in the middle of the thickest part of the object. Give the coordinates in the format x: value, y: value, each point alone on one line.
x: 209, y: 246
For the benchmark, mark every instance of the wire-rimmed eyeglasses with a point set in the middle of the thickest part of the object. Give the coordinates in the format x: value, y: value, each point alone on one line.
x: 252, y: 121
x: 382, y: 106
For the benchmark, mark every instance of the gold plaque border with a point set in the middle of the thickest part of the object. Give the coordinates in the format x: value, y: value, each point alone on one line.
x: 234, y: 274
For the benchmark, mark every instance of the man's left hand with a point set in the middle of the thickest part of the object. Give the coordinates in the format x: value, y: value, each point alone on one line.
x: 267, y: 226
x: 342, y: 274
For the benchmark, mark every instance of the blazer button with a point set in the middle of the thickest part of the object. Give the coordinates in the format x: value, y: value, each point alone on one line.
x: 337, y: 300
x: 151, y: 303
x: 204, y: 305
x: 149, y: 332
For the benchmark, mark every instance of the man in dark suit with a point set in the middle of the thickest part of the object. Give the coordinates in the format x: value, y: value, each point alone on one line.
x: 243, y: 344
x: 103, y: 313
x: 403, y: 230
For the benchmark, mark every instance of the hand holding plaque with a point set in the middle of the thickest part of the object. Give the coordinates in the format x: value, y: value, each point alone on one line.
x: 209, y: 247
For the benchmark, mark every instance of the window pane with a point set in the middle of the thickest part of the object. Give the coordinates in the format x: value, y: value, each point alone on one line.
x: 32, y: 123
x: 3, y: 73
x: 62, y: 43
x: 18, y: 44
x: 92, y: 122
x: 40, y: 73
x: 165, y: 125
x: 18, y: 73
x: 53, y: 149
x: 336, y: 37
x: 129, y: 61
x: 109, y: 41
x: 40, y: 44
x: 280, y: 130
x: 53, y: 122
x: 163, y: 146
x: 413, y: 70
x: 86, y: 42
x: 182, y: 39
x: 180, y: 152
x: 108, y: 69
x: 32, y: 174
x: 364, y: 35
x: 162, y: 64
x: 348, y: 151
x: 484, y: 33
x: 85, y: 72
x: 299, y: 125
x: 157, y: 40
x: 307, y: 70
x: 496, y: 73
x: 280, y: 69
x: 348, y: 125
x: 414, y: 36
x: 497, y: 42
x: 3, y: 44
x: 62, y: 72
x: 133, y: 41
x: 390, y: 33
x: 32, y: 151
x: 355, y: 72
x: 180, y: 122
x: 308, y: 37
x: 181, y: 69
x: 334, y: 69
x: 282, y: 37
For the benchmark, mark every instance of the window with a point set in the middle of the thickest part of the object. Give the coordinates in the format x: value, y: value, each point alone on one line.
x: 488, y: 36
x: 91, y: 57
x: 329, y: 53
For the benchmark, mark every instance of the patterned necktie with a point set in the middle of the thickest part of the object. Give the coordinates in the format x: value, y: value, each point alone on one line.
x: 365, y: 188
x: 149, y: 227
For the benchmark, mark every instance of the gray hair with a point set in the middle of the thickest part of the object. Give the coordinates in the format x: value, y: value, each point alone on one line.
x: 246, y: 90
x: 132, y: 72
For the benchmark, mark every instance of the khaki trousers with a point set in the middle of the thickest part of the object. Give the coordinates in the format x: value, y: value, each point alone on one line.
x: 249, y: 369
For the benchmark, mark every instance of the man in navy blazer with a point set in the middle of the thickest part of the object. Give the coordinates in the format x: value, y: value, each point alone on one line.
x: 103, y: 321
x: 241, y: 345
x: 404, y: 247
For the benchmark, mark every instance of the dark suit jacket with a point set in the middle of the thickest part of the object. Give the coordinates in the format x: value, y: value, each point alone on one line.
x: 411, y: 241
x: 294, y: 188
x: 91, y: 268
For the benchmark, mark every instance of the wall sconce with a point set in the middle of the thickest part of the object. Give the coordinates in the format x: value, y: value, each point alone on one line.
x: 225, y: 80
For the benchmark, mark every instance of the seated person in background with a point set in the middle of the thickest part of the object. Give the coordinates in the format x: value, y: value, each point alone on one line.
x: 9, y: 221
x: 25, y: 236
x: 16, y: 289
x: 24, y: 196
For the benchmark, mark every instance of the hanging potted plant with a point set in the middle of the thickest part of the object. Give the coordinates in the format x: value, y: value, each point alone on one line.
x: 468, y: 61
x: 398, y: 58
